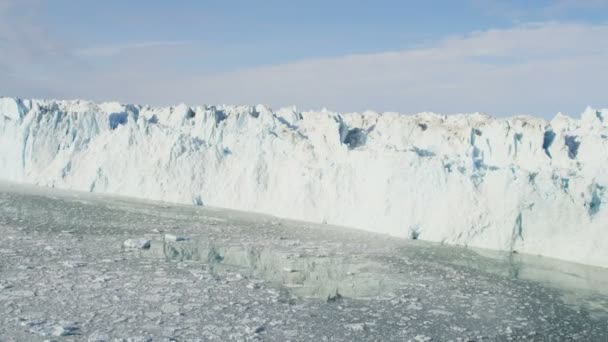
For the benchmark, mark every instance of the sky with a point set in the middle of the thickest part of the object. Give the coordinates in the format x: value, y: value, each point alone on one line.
x: 500, y: 57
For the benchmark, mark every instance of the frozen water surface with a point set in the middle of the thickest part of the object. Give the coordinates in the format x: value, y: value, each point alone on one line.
x: 208, y: 274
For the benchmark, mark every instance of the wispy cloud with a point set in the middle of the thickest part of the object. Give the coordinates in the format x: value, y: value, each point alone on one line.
x: 501, y: 8
x: 114, y: 50
x: 5, y: 5
x: 29, y: 55
x: 21, y: 33
x: 519, y: 12
x: 568, y: 4
x: 538, y: 68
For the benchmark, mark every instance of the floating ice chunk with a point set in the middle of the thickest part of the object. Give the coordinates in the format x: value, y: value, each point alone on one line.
x: 74, y: 264
x: 98, y: 337
x: 169, y: 308
x: 360, y: 327
x: 5, y: 285
x: 138, y: 243
x: 32, y: 322
x: 175, y: 238
x: 138, y: 339
x: 64, y: 329
x: 256, y: 330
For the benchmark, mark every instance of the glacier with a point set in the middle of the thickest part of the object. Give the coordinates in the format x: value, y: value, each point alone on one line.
x: 520, y: 184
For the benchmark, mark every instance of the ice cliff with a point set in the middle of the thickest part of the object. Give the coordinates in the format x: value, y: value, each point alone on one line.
x: 518, y: 184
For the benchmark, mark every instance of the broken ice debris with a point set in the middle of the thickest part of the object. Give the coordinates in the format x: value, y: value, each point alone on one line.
x: 32, y: 322
x: 98, y: 337
x: 64, y: 329
x: 139, y: 243
x: 138, y: 339
x: 74, y: 264
x: 175, y: 238
x: 256, y: 330
x: 357, y: 326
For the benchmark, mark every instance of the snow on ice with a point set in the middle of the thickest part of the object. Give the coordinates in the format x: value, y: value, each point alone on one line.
x: 518, y: 184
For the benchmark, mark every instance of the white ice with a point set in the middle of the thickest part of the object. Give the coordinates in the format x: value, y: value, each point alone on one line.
x: 521, y: 183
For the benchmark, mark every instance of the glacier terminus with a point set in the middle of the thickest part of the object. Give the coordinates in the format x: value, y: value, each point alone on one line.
x: 519, y: 184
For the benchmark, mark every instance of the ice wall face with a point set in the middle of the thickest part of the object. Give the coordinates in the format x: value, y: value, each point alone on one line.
x: 520, y: 184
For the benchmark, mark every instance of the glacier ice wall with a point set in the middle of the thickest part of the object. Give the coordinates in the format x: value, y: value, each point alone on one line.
x: 518, y: 184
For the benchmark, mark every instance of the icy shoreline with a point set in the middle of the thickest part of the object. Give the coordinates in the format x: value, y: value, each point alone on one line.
x: 64, y: 270
x: 521, y: 183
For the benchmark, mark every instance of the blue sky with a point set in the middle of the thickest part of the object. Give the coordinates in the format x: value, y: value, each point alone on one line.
x: 495, y: 56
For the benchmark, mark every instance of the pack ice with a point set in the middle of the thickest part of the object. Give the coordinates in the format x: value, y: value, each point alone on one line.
x: 517, y: 184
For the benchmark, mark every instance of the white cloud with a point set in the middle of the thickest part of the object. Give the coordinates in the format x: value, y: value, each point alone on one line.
x: 568, y: 4
x: 29, y: 55
x: 501, y: 8
x: 518, y: 12
x: 114, y: 50
x: 536, y: 68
